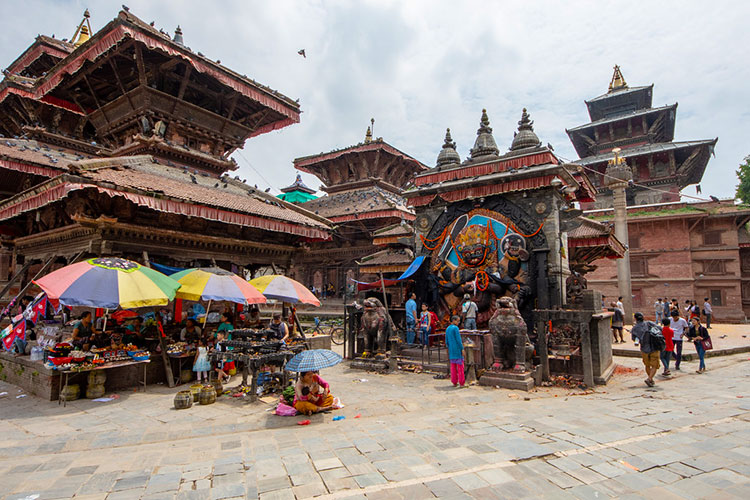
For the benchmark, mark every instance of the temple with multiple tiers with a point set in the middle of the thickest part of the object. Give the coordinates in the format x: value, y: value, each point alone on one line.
x: 624, y: 118
x: 119, y: 141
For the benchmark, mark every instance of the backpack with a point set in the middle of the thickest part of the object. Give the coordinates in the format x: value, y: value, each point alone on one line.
x: 656, y: 338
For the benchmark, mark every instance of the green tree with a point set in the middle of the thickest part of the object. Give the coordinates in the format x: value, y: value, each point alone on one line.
x: 743, y: 188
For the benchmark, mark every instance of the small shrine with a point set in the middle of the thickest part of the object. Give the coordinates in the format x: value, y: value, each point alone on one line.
x: 297, y: 192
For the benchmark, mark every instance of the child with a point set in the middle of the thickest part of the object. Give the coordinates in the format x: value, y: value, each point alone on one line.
x: 455, y: 351
x: 201, y: 365
x: 222, y: 367
x: 424, y: 325
x: 666, y: 354
x: 312, y: 394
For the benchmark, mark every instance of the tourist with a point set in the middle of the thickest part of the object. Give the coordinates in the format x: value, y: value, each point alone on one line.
x: 469, y: 310
x: 617, y: 320
x: 604, y: 302
x: 697, y: 333
x: 689, y: 310
x: 191, y: 333
x: 82, y: 332
x: 667, y: 353
x: 678, y: 326
x: 425, y: 321
x: 226, y: 325
x: 201, y: 366
x: 667, y: 309
x: 674, y: 306
x: 279, y: 328
x: 707, y: 311
x: 649, y: 353
x: 312, y: 394
x: 658, y: 311
x: 455, y: 351
x: 620, y: 306
x: 411, y: 318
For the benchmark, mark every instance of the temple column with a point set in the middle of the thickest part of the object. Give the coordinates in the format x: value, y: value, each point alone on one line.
x: 618, y: 177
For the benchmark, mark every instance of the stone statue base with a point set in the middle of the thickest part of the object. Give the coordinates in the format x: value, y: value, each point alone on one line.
x: 520, y: 381
x: 371, y: 364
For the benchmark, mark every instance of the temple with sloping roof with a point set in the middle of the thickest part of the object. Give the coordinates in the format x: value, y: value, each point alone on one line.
x: 118, y: 142
x: 297, y: 192
x: 624, y: 118
x: 363, y: 185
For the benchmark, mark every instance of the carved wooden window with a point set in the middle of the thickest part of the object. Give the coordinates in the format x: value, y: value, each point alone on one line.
x: 634, y: 241
x: 712, y: 238
x: 638, y: 267
x: 716, y: 299
x: 637, y: 297
x: 713, y: 267
x: 746, y: 292
x: 745, y: 262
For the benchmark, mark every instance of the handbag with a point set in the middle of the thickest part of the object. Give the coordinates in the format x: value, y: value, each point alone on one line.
x: 707, y: 344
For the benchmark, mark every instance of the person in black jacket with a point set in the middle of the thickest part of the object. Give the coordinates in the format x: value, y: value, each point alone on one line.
x: 698, y: 333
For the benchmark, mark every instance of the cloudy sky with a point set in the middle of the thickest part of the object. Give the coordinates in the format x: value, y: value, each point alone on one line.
x: 418, y: 67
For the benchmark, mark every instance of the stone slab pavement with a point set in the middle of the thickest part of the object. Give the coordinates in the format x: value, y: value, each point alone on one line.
x: 416, y: 437
x: 726, y: 339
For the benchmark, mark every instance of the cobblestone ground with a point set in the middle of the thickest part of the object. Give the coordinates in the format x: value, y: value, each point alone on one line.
x: 417, y: 438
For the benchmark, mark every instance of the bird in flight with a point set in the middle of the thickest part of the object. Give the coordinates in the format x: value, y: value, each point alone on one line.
x: 302, y: 53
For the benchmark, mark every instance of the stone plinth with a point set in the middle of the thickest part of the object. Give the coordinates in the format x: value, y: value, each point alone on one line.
x: 523, y: 381
x: 371, y: 364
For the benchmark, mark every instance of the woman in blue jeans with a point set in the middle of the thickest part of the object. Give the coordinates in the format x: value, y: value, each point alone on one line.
x: 698, y: 333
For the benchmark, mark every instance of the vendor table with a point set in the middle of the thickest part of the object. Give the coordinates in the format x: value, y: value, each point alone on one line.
x: 106, y: 366
x: 180, y: 360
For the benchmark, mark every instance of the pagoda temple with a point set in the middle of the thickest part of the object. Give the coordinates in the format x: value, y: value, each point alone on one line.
x: 364, y: 185
x: 118, y: 143
x: 297, y: 192
x: 624, y: 118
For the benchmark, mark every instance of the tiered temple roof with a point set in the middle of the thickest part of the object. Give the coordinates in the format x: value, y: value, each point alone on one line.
x: 297, y: 192
x: 624, y: 118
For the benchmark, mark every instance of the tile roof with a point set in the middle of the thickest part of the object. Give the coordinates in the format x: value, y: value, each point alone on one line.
x: 358, y: 201
x: 645, y: 149
x: 38, y: 153
x: 143, y: 173
x: 395, y: 230
x: 622, y: 116
x: 389, y: 256
x: 590, y: 229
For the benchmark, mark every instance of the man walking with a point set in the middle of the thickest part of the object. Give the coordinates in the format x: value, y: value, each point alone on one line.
x: 469, y: 310
x: 649, y: 352
x: 411, y: 318
x: 679, y: 327
x: 708, y: 311
x: 658, y: 311
x: 666, y: 308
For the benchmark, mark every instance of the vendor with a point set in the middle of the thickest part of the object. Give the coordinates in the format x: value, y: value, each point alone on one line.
x: 226, y: 325
x: 312, y: 394
x: 198, y: 311
x: 191, y: 333
x: 82, y: 332
x: 279, y: 328
x: 133, y: 333
x: 253, y: 318
x: 100, y: 340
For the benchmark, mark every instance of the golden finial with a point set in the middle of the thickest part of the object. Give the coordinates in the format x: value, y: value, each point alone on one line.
x: 368, y: 135
x: 83, y: 31
x: 618, y: 81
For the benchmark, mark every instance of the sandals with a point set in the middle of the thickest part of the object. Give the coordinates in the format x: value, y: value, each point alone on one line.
x: 649, y: 383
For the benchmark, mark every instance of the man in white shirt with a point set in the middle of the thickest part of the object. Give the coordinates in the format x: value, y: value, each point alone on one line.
x: 620, y: 306
x: 679, y: 326
x: 658, y: 311
x: 469, y: 310
x: 708, y: 311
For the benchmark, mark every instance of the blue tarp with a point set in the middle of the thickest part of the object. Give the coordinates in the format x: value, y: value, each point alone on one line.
x: 166, y: 269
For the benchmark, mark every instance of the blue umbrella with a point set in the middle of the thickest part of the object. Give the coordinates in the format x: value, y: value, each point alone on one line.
x: 313, y: 360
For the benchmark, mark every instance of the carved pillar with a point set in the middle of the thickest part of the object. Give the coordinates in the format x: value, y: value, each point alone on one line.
x: 619, y: 174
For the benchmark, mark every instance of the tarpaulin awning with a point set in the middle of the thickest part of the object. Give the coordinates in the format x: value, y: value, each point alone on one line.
x: 168, y: 270
x: 413, y: 267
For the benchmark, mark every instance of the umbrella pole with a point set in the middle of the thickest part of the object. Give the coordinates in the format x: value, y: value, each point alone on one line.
x: 106, y: 313
x: 205, y: 318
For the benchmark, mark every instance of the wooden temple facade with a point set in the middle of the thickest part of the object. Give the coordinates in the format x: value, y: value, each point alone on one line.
x: 624, y: 118
x: 118, y: 142
x: 364, y: 187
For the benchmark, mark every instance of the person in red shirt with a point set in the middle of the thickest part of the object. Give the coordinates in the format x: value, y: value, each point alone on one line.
x: 666, y: 354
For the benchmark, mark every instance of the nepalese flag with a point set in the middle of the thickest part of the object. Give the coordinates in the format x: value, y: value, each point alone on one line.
x: 37, y: 308
x: 17, y: 331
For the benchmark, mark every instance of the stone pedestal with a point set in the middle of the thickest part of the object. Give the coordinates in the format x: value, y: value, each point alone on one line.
x: 523, y: 381
x: 371, y: 364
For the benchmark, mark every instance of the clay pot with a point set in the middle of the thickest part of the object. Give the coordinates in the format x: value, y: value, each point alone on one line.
x: 183, y: 399
x: 207, y: 395
x: 97, y: 377
x: 71, y: 392
x: 195, y: 390
x: 218, y: 387
x: 94, y: 391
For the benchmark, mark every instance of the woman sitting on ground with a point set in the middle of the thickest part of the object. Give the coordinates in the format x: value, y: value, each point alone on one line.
x: 312, y: 394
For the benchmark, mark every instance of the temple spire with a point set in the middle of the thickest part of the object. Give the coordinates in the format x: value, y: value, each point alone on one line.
x: 178, y: 36
x: 618, y: 81
x: 448, y: 155
x: 368, y: 135
x: 485, y: 144
x: 525, y: 137
x: 83, y: 31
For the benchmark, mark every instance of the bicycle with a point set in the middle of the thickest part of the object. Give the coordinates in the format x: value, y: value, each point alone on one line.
x: 336, y: 332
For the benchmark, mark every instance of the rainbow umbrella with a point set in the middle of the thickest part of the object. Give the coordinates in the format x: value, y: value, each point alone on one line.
x: 214, y: 283
x: 108, y: 282
x: 276, y: 286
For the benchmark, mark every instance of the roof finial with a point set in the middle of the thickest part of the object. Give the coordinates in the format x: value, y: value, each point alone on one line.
x: 525, y: 137
x: 618, y: 81
x: 448, y: 155
x: 83, y: 31
x: 368, y: 136
x: 178, y: 36
x: 485, y: 143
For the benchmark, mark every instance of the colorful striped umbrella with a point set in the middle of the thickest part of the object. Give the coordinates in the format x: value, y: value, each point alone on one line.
x: 278, y: 287
x: 108, y: 282
x: 214, y: 283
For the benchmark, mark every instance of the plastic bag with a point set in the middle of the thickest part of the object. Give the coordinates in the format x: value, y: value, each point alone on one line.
x: 37, y: 353
x: 285, y: 410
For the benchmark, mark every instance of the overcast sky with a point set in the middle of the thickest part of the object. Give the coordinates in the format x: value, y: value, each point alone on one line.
x: 418, y: 67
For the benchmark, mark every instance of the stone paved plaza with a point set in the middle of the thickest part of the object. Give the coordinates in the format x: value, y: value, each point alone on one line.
x: 417, y: 437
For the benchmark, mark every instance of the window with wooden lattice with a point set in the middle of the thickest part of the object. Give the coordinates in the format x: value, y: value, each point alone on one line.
x: 634, y: 241
x: 716, y: 298
x: 712, y: 238
x: 713, y: 267
x: 638, y: 266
